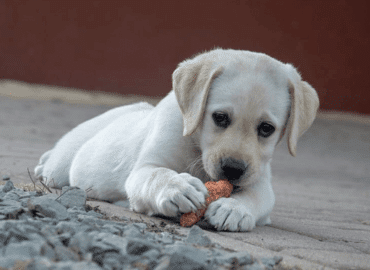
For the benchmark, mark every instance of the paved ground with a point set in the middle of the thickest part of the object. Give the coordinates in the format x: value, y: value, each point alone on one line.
x: 322, y: 215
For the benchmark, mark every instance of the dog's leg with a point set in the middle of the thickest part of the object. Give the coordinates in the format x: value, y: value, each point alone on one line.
x: 40, y: 166
x: 158, y: 190
x: 243, y: 210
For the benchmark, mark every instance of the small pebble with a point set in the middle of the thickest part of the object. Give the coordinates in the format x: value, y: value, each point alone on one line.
x: 6, y: 177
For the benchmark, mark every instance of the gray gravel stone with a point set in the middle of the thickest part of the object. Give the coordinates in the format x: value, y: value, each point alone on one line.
x: 3, y: 237
x: 48, y: 207
x: 152, y: 254
x: 54, y: 240
x: 80, y: 242
x: 65, y: 254
x: 140, y: 226
x: 70, y: 265
x: 15, y: 235
x: 8, y: 186
x: 138, y: 246
x: 271, y: 262
x: 6, y: 177
x: 67, y: 226
x: 7, y: 262
x: 113, y: 229
x: 86, y: 219
x: 97, y: 247
x: 72, y: 196
x: 187, y: 257
x: 40, y: 263
x: 197, y: 236
x: 94, y: 214
x: 111, y: 260
x: 48, y: 252
x: 167, y: 238
x: 133, y: 231
x: 117, y: 243
x: 23, y: 250
x: 51, y: 196
x: 10, y: 196
x: 256, y: 266
x: 163, y: 263
x: 237, y: 258
x: 75, y: 211
x: 10, y: 208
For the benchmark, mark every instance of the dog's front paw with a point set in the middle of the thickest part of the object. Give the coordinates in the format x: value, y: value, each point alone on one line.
x: 229, y: 214
x: 183, y: 194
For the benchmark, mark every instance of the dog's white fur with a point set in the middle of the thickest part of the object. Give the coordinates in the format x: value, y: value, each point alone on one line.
x: 160, y: 157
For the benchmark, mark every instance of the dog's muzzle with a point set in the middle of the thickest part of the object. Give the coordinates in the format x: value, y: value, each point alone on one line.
x: 232, y: 169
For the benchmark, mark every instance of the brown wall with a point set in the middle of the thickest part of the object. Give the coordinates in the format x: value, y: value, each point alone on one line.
x: 132, y: 47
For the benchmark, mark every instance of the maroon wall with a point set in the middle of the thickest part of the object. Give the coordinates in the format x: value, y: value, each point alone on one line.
x: 132, y: 47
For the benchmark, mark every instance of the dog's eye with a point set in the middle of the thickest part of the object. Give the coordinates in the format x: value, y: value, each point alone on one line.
x: 221, y: 119
x: 265, y: 130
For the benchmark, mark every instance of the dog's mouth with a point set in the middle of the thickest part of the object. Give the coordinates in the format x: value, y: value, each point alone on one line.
x: 236, y: 189
x: 215, y: 176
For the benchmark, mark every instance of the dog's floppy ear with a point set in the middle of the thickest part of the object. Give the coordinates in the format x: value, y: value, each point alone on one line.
x: 191, y: 82
x: 304, y: 105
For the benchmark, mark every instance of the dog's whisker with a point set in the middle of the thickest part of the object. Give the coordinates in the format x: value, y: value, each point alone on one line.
x: 194, y: 164
x: 196, y: 168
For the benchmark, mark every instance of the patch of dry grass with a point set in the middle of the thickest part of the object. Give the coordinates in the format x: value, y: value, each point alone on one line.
x: 39, y: 186
x: 27, y: 187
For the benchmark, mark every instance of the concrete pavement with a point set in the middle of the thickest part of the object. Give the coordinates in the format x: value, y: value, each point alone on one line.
x: 322, y: 215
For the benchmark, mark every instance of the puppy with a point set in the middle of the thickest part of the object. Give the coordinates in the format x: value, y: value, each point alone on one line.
x: 226, y: 113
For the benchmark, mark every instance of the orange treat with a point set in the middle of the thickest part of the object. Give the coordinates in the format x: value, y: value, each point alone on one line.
x: 216, y: 190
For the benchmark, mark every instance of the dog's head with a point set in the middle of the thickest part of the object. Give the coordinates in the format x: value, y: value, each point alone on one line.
x: 238, y: 105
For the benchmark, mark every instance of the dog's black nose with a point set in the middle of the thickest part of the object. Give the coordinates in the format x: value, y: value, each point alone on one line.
x: 232, y: 169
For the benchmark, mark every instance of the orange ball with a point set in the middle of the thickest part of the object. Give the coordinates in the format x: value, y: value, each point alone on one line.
x: 216, y: 190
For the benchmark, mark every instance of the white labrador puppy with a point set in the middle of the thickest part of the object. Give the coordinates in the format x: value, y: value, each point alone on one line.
x: 226, y: 113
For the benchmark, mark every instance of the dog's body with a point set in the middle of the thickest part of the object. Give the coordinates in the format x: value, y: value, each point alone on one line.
x: 226, y: 113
